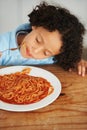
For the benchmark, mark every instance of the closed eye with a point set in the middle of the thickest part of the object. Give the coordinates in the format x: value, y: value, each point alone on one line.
x: 47, y: 53
x: 38, y: 40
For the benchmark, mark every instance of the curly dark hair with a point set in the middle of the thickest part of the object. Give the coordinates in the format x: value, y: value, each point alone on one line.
x: 58, y: 18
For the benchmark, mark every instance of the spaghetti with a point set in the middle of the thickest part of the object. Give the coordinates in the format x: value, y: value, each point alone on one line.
x: 21, y: 88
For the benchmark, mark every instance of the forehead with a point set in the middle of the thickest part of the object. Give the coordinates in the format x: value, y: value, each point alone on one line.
x: 48, y: 34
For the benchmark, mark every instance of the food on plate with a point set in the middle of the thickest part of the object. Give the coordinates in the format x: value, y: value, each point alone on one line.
x: 22, y: 88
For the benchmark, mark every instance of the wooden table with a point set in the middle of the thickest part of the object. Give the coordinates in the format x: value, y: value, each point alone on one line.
x: 68, y: 112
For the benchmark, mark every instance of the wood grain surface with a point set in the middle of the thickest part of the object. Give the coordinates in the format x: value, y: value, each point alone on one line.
x: 68, y: 112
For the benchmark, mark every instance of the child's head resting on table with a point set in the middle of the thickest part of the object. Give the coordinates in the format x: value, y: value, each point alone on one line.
x: 55, y: 32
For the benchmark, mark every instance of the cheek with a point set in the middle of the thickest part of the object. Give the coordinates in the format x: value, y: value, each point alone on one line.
x: 29, y: 40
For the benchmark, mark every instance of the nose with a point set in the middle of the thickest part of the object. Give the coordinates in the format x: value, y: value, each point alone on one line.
x: 38, y: 49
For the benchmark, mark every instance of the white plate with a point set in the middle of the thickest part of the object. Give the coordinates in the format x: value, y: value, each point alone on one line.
x: 35, y: 71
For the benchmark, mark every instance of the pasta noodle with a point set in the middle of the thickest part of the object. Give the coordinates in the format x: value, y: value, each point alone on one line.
x: 21, y: 88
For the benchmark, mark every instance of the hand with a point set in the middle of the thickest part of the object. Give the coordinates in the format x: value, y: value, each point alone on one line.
x: 0, y: 54
x: 82, y: 67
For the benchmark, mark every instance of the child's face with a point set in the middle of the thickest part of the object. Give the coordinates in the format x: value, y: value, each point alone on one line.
x: 40, y: 43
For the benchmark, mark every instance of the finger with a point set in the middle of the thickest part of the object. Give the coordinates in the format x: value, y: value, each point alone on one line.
x: 79, y: 69
x: 83, y: 71
x: 0, y: 54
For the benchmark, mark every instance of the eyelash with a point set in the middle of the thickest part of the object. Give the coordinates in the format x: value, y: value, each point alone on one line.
x: 37, y: 40
x: 45, y: 53
x: 40, y: 43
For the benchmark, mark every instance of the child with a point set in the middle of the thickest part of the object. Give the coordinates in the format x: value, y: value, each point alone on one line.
x: 53, y: 35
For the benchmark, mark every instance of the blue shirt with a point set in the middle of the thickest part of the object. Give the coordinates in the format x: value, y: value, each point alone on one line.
x: 8, y: 40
